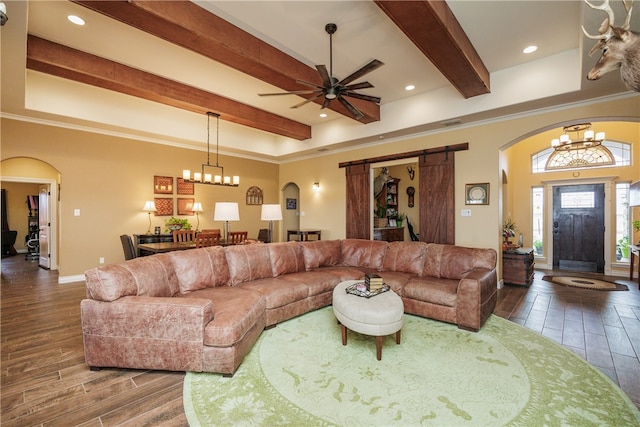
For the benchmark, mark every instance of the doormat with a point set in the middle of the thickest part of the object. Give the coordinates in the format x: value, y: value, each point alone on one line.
x: 586, y: 283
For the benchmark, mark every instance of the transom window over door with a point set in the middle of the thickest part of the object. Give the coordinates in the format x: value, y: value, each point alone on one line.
x: 609, y: 154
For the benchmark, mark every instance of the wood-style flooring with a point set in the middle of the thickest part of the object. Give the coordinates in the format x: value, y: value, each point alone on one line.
x: 44, y: 380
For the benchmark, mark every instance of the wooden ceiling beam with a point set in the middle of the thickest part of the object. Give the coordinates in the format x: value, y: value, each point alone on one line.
x: 186, y: 24
x: 62, y: 61
x: 433, y: 28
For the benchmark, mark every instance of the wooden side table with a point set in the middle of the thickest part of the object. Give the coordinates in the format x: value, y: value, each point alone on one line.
x: 517, y: 266
x: 303, y: 235
x: 635, y: 252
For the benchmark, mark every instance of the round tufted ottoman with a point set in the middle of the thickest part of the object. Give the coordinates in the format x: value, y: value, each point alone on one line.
x: 378, y: 316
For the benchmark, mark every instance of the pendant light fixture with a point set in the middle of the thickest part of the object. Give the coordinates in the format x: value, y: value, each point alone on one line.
x: 204, y: 177
x: 590, y: 139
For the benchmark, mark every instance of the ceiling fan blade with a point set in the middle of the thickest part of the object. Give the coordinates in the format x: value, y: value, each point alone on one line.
x: 325, y: 104
x: 326, y: 78
x: 356, y: 86
x: 357, y: 114
x: 293, y: 92
x: 303, y: 82
x: 306, y: 101
x: 361, y: 72
x: 361, y: 96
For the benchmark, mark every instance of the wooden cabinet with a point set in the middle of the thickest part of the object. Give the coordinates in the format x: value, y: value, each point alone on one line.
x: 517, y: 266
x: 389, y: 197
x: 389, y: 234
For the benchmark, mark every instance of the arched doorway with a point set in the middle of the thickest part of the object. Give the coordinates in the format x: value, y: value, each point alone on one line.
x: 24, y: 173
x: 291, y: 211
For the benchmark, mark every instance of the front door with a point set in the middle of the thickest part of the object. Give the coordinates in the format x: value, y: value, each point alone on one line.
x: 578, y: 227
x: 44, y: 222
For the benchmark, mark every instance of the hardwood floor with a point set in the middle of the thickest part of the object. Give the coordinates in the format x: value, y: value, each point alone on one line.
x: 44, y: 380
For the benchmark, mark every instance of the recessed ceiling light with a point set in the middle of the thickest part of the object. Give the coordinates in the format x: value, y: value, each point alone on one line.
x: 76, y: 19
x: 409, y: 87
x: 323, y: 114
x: 530, y: 49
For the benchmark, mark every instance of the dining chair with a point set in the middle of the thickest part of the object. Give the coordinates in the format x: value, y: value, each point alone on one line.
x: 212, y: 230
x: 183, y: 235
x: 263, y: 235
x: 127, y: 247
x: 237, y: 237
x: 207, y: 239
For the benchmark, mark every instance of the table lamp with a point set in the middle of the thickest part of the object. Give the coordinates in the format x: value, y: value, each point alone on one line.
x: 271, y: 212
x: 149, y: 206
x: 226, y: 211
x: 197, y: 208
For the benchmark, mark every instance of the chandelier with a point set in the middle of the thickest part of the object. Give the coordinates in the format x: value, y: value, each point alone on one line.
x: 589, y: 139
x: 208, y: 178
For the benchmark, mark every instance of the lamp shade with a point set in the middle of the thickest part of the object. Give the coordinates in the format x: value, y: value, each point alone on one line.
x: 226, y: 211
x: 149, y: 206
x: 271, y: 212
x: 197, y: 207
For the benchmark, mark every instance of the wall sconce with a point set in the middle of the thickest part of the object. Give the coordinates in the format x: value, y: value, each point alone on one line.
x: 149, y: 206
x: 197, y: 208
x: 315, y: 186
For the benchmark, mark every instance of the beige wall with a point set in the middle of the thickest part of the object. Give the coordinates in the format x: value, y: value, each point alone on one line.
x: 483, y: 162
x: 109, y: 178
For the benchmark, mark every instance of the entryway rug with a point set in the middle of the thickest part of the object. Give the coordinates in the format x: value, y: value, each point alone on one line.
x: 505, y: 375
x: 586, y: 283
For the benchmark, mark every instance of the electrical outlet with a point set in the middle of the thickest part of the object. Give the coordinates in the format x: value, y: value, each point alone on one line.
x: 465, y: 212
x: 76, y: 212
x: 101, y: 260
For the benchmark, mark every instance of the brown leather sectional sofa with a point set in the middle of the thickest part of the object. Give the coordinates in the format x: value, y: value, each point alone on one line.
x: 203, y: 309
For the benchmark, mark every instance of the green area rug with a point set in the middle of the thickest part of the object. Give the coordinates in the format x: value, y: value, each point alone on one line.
x: 299, y: 373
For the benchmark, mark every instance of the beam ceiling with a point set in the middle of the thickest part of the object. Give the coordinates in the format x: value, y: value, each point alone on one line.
x: 433, y: 28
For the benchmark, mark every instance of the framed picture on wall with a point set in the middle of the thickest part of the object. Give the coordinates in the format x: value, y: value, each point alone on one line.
x: 477, y: 194
x: 164, y: 206
x: 292, y: 203
x: 163, y: 184
x: 185, y: 206
x: 184, y: 187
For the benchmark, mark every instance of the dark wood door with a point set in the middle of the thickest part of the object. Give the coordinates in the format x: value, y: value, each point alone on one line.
x: 578, y: 227
x: 358, y: 215
x: 437, y: 202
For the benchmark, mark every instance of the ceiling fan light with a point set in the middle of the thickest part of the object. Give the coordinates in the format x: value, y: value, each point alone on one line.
x: 600, y: 136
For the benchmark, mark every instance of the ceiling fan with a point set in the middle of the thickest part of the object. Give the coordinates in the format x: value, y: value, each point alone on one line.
x: 332, y: 88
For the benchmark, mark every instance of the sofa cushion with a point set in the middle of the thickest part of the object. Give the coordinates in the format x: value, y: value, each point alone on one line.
x: 432, y: 290
x: 286, y: 257
x: 248, y: 262
x: 321, y: 253
x: 149, y: 276
x: 407, y: 257
x: 200, y: 268
x: 236, y: 311
x: 278, y: 293
x: 317, y: 281
x: 453, y: 262
x: 363, y: 253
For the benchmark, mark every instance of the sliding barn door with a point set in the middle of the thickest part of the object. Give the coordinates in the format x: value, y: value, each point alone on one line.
x: 437, y: 204
x: 358, y: 202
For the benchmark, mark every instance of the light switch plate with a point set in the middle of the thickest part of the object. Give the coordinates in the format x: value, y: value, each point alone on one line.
x: 76, y: 212
x: 465, y: 212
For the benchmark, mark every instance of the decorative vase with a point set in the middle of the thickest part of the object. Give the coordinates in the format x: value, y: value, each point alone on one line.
x: 174, y: 227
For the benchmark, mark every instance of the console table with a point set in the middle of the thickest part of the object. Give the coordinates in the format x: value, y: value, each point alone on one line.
x: 517, y: 266
x: 303, y: 235
x: 140, y: 239
x: 389, y: 234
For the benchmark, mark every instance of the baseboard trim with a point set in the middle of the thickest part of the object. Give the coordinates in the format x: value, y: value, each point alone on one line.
x: 71, y: 279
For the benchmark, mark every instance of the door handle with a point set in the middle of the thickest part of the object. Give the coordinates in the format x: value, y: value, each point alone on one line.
x: 555, y: 224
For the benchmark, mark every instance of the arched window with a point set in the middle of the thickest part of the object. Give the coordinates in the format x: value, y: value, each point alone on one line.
x: 609, y: 154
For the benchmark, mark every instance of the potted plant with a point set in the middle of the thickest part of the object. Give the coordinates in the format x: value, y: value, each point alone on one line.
x: 508, y: 231
x: 636, y: 228
x: 380, y: 217
x: 174, y: 223
x: 623, y: 244
x: 399, y: 218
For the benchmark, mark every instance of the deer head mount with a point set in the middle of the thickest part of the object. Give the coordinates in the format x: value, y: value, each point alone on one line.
x: 412, y: 172
x: 620, y: 47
